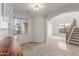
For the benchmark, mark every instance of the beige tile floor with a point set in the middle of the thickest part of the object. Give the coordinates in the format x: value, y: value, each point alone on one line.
x: 55, y: 46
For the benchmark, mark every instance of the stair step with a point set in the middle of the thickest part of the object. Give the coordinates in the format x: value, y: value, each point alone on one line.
x: 75, y: 40
x: 75, y: 33
x: 76, y: 27
x: 72, y: 42
x: 74, y: 37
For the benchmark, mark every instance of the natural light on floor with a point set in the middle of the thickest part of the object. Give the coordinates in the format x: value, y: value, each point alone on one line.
x: 62, y: 45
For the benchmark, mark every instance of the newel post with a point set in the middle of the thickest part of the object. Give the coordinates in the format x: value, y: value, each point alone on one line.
x: 74, y: 21
x: 66, y: 37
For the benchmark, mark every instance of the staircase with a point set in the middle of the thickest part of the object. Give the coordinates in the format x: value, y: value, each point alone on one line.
x: 72, y: 34
x: 74, y: 39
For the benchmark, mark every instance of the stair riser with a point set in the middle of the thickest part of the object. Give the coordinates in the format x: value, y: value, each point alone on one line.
x: 74, y: 43
x: 76, y: 33
x: 76, y: 29
x: 74, y: 38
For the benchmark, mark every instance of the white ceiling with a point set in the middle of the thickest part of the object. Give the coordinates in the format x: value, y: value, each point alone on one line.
x: 45, y: 8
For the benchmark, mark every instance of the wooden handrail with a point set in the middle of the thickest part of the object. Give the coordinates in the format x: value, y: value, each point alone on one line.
x: 68, y: 33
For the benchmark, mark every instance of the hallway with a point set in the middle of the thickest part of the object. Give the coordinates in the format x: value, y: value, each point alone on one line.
x: 54, y: 47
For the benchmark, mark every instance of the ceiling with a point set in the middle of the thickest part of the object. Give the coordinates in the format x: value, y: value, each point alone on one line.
x: 45, y: 8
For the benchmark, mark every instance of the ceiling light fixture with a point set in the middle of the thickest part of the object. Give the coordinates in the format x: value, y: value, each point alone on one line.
x: 36, y: 8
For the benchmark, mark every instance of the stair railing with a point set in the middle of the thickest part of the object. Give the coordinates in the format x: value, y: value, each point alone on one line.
x: 70, y: 30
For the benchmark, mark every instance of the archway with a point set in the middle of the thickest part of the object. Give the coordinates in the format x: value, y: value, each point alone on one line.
x: 53, y: 24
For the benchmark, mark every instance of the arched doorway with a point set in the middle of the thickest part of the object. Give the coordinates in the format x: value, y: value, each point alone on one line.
x: 53, y: 24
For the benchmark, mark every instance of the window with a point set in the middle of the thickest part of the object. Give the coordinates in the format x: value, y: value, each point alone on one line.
x: 20, y: 25
x: 64, y: 27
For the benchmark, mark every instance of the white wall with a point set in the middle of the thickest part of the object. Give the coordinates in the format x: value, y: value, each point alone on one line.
x: 37, y: 25
x: 0, y: 10
x: 59, y: 16
x: 63, y: 18
x: 36, y: 29
x: 49, y: 28
x: 70, y: 8
x: 39, y: 28
x: 10, y: 19
x: 24, y: 38
x: 3, y: 31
